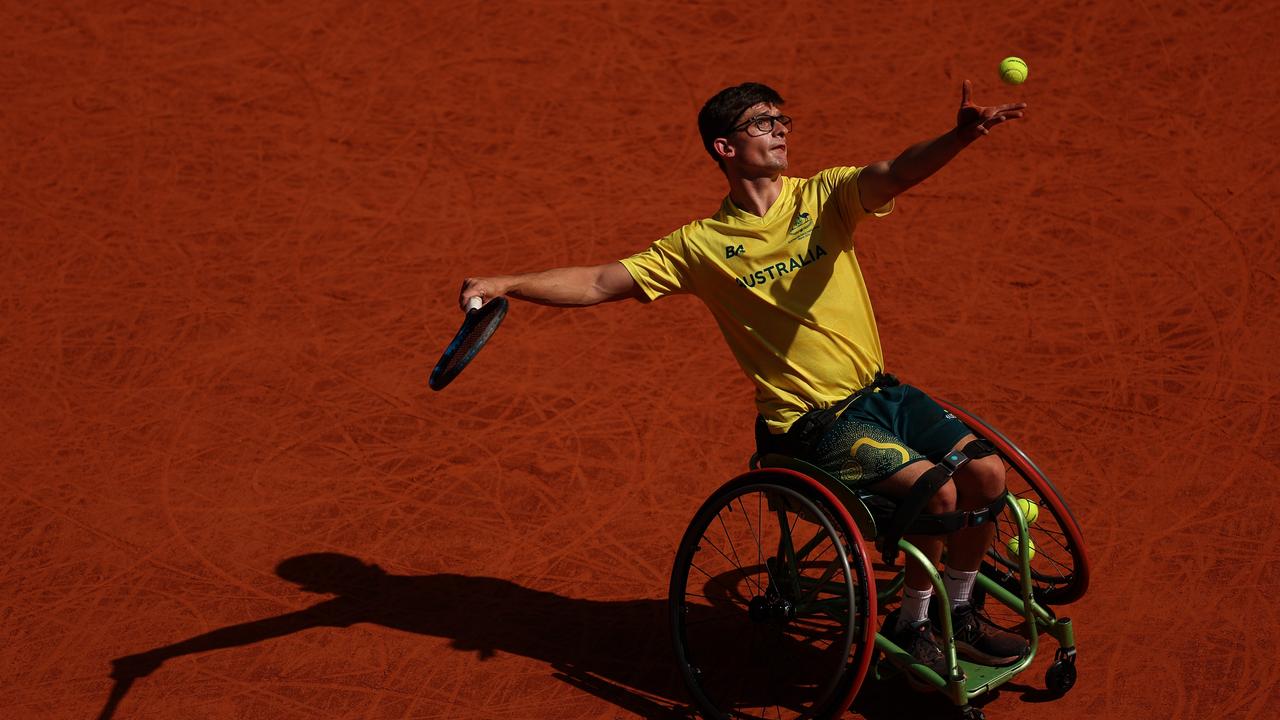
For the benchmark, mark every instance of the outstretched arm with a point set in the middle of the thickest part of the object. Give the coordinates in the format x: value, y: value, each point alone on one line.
x: 880, y: 182
x: 337, y: 612
x: 561, y: 287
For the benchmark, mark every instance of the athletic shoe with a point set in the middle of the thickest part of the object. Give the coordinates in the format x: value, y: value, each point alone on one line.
x: 981, y: 641
x: 917, y: 639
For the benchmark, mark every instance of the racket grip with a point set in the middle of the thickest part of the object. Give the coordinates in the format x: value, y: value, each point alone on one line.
x: 474, y: 303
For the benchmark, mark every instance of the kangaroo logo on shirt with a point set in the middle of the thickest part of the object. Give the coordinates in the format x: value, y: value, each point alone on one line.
x: 801, y: 227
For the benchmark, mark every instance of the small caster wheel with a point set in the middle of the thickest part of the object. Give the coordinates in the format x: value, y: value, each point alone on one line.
x: 1061, y: 675
x: 969, y: 712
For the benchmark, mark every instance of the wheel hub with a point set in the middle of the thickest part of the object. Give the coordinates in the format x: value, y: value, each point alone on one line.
x: 771, y: 610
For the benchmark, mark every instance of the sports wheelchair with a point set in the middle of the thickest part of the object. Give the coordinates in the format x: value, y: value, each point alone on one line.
x: 774, y: 599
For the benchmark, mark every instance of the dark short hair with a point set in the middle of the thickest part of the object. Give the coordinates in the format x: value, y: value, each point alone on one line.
x: 717, y: 115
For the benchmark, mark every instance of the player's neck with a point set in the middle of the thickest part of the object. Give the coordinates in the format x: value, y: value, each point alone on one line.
x: 755, y: 195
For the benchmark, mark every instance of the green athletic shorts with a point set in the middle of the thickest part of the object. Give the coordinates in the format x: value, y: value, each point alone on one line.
x: 882, y: 432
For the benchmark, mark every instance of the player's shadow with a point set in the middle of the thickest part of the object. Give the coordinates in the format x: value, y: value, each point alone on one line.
x: 617, y: 651
x: 894, y: 698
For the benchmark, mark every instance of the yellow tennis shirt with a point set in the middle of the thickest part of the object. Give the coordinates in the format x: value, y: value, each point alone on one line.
x: 785, y: 289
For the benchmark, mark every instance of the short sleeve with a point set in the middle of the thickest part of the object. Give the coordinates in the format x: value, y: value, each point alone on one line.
x: 662, y: 268
x: 842, y: 185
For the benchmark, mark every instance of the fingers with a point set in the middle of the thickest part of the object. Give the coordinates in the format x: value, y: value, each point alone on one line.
x: 476, y: 291
x: 1010, y: 115
x: 966, y: 100
x: 986, y: 125
x: 992, y: 122
x: 471, y: 293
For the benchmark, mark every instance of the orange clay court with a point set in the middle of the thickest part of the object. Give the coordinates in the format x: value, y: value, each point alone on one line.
x: 232, y: 240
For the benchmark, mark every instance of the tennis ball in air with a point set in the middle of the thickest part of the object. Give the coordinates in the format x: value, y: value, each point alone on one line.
x: 1013, y: 70
x: 1029, y: 509
x: 1012, y: 545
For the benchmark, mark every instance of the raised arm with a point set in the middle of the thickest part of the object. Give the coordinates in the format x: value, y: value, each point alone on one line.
x: 561, y: 287
x: 880, y: 182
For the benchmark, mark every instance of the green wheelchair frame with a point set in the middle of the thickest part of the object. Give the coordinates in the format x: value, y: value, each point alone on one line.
x: 795, y: 491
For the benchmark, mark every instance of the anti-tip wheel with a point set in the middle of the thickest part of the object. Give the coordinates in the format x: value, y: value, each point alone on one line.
x: 1060, y: 677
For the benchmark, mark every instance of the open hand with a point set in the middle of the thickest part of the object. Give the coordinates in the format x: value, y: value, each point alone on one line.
x: 974, y: 121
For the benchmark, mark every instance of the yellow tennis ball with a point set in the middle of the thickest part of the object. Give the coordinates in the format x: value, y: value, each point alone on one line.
x: 1012, y: 545
x: 1013, y: 70
x: 1030, y: 510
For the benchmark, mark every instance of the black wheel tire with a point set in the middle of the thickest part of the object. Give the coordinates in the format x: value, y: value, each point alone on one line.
x: 1060, y: 677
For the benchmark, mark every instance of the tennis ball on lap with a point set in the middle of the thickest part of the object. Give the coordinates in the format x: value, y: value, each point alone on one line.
x: 1013, y: 546
x: 1030, y: 510
x: 1013, y: 70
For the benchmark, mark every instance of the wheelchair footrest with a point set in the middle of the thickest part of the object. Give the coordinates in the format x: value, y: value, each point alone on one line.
x: 978, y: 679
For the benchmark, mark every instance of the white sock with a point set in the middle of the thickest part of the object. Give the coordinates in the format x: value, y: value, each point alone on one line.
x: 915, y: 606
x: 959, y: 585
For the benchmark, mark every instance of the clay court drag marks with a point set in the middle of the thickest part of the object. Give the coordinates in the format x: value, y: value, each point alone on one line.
x: 232, y: 239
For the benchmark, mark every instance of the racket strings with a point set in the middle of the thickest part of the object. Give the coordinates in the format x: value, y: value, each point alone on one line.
x: 471, y: 342
x: 476, y: 329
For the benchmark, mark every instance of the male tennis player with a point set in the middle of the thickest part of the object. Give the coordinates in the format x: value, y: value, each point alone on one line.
x: 776, y: 267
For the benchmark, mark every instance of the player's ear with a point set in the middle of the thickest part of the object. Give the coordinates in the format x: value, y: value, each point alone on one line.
x: 723, y: 147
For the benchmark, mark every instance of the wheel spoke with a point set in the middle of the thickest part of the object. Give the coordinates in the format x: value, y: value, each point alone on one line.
x: 756, y: 537
x: 732, y: 547
x: 832, y: 568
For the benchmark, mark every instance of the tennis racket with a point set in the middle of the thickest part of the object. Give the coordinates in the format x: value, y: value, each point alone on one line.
x: 477, y: 327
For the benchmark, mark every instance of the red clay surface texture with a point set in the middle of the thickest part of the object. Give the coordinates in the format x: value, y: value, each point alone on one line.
x: 233, y: 235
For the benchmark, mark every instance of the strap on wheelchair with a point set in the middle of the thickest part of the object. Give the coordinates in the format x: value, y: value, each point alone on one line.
x: 947, y: 523
x: 805, y: 432
x: 909, y: 518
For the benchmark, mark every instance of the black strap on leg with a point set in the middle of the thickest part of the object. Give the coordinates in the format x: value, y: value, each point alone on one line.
x: 978, y: 449
x: 910, y: 508
x: 947, y: 523
x: 985, y: 515
x: 909, y: 517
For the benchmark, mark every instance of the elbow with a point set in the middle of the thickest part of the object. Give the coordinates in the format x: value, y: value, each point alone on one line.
x: 880, y: 185
x: 599, y: 293
x: 611, y: 282
x: 899, y: 181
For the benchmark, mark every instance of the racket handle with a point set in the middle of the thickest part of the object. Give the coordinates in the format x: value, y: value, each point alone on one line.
x: 474, y: 303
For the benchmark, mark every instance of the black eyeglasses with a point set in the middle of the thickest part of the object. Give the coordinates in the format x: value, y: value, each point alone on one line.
x: 762, y: 124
